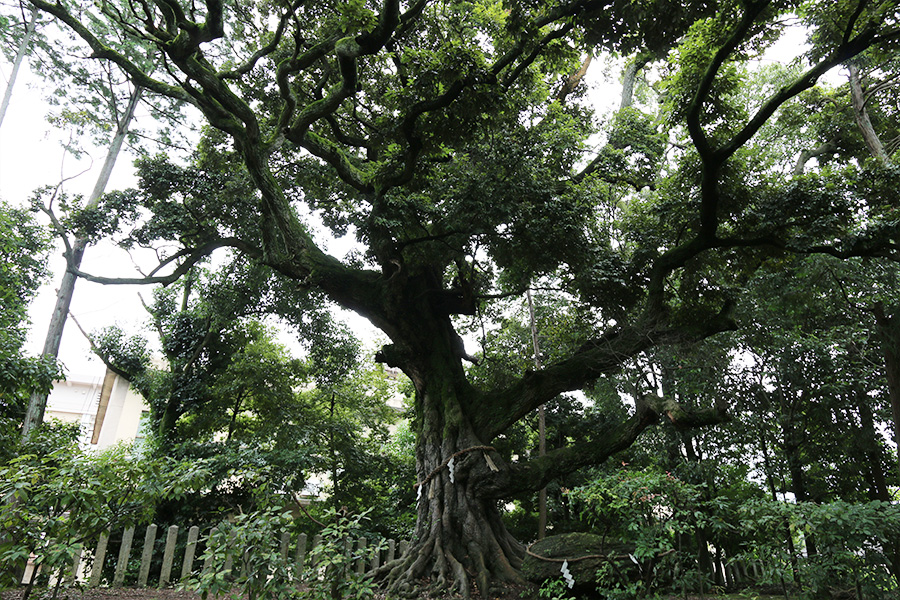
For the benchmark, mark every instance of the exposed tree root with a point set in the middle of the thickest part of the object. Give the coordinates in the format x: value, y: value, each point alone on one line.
x: 465, y: 543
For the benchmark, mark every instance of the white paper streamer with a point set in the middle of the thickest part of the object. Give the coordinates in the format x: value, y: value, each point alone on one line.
x: 450, y: 466
x: 490, y: 463
x: 567, y: 575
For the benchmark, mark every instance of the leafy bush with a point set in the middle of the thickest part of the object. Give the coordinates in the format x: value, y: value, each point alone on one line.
x: 257, y: 569
x: 335, y: 561
x: 262, y: 572
x: 55, y: 502
x: 853, y: 543
x: 554, y: 589
x: 646, y: 512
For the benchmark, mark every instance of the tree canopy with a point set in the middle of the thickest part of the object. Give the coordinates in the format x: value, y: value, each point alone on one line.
x: 451, y: 139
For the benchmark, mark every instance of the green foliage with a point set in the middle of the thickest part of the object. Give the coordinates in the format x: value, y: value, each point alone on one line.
x: 336, y: 557
x: 259, y: 570
x: 24, y: 246
x: 854, y: 542
x: 58, y: 501
x: 647, y: 508
x: 436, y: 134
x: 555, y: 589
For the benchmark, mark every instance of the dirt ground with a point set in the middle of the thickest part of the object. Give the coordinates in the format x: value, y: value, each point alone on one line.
x: 100, y: 593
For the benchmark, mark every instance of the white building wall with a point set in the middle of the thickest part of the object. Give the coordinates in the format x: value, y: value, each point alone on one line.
x: 123, y: 415
x: 77, y: 399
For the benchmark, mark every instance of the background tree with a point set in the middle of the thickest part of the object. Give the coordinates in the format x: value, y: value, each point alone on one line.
x: 23, y: 267
x: 19, y: 30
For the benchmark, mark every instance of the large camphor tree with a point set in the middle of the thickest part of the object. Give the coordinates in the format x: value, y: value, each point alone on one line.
x: 451, y: 138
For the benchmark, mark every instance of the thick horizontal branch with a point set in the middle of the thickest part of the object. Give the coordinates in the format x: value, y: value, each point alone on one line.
x: 605, y: 355
x: 498, y: 410
x: 860, y: 247
x: 534, y: 473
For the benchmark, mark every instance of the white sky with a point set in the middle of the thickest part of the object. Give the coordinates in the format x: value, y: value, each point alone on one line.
x: 31, y: 156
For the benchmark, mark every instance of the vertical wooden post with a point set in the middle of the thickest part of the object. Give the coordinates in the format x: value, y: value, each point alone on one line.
x: 147, y: 555
x: 124, y: 554
x: 391, y: 550
x: 284, y: 546
x: 207, y: 563
x: 165, y: 575
x: 300, y: 556
x: 76, y: 564
x: 361, y: 561
x: 229, y: 558
x: 317, y: 539
x: 99, y: 559
x: 188, y: 565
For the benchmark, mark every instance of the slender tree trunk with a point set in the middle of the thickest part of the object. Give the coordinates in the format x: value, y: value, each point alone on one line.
x: 878, y: 489
x: 887, y: 328
x: 24, y: 43
x: 874, y: 473
x: 542, y: 423
x: 773, y: 490
x: 858, y: 99
x: 793, y: 440
x: 630, y: 76
x: 234, y: 415
x: 335, y: 479
x: 37, y: 404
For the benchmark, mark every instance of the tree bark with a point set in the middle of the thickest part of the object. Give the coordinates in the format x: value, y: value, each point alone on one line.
x: 630, y: 76
x: 857, y: 98
x: 458, y: 531
x: 793, y: 440
x: 542, y: 422
x: 37, y: 404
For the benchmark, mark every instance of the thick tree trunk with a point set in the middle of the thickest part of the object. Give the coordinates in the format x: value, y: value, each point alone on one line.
x: 459, y: 534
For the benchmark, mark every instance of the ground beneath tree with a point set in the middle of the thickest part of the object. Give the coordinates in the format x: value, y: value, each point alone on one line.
x: 510, y: 592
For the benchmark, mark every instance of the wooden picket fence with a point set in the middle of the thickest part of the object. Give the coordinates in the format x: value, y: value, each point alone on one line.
x: 88, y: 565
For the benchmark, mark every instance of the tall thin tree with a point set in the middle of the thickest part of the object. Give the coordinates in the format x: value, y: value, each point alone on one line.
x: 37, y: 404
